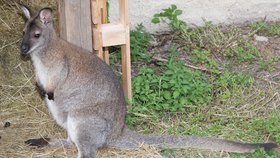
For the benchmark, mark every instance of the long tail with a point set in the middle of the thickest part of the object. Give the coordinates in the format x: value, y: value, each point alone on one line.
x: 131, y: 139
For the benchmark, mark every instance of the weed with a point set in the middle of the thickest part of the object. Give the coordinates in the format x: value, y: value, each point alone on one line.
x: 204, y: 57
x: 259, y: 27
x: 227, y: 82
x: 171, y: 14
x: 139, y: 42
x: 267, y: 64
x: 242, y: 55
x: 269, y: 125
x: 265, y: 28
x: 258, y: 153
x: 167, y: 152
x: 169, y: 90
x: 213, y: 39
x: 115, y: 55
x: 200, y: 56
x: 209, y: 37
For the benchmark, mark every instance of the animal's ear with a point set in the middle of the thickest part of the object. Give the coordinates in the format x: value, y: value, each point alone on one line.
x: 45, y: 15
x: 26, y: 11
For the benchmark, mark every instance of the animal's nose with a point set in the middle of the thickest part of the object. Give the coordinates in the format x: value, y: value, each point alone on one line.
x: 24, y: 48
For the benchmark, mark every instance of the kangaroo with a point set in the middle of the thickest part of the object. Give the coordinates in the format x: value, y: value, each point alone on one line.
x: 86, y: 99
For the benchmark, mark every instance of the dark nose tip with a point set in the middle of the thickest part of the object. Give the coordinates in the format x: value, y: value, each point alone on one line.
x: 24, y: 48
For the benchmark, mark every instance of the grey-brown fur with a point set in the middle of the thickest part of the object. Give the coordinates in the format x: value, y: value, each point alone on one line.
x: 87, y: 98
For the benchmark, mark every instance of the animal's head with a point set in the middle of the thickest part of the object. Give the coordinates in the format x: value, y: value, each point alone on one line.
x: 37, y: 31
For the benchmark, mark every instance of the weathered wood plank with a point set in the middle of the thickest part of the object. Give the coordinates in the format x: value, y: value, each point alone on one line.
x: 75, y: 22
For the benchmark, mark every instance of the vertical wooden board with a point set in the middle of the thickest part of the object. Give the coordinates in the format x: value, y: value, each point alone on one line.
x: 125, y: 49
x: 106, y: 55
x: 104, y: 11
x: 123, y: 7
x: 62, y: 19
x: 126, y: 71
x: 75, y: 22
x: 73, y: 15
x: 126, y: 67
x: 95, y: 15
x: 96, y: 27
x: 85, y: 25
x: 105, y: 20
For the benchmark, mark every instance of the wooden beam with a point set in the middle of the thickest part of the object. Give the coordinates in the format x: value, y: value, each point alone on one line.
x: 113, y: 34
x: 104, y: 20
x: 123, y: 7
x: 75, y: 22
x: 96, y: 27
x: 62, y: 19
x: 125, y: 49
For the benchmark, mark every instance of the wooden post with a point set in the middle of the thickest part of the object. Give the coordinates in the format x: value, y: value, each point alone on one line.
x: 125, y: 50
x: 96, y: 27
x: 104, y: 20
x: 75, y: 22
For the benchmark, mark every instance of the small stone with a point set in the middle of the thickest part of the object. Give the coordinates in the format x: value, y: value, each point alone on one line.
x: 7, y: 124
x: 260, y: 38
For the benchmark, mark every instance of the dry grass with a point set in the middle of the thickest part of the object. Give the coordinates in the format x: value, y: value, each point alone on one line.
x: 20, y: 104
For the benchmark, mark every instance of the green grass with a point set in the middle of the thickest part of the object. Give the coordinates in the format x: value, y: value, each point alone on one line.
x: 170, y: 89
x: 268, y: 64
x: 259, y: 153
x: 264, y: 28
x: 219, y: 95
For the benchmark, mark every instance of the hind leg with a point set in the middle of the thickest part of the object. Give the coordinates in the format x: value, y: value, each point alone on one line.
x: 88, y: 134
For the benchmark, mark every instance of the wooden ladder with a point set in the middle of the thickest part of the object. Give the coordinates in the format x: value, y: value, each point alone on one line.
x: 104, y: 34
x: 112, y: 34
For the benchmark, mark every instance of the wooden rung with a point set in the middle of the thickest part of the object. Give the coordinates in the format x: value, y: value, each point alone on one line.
x: 113, y: 34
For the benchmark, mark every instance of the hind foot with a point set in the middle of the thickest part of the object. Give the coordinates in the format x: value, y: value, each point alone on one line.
x: 41, y: 142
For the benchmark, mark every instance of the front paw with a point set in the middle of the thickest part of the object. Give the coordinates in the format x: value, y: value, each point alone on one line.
x: 50, y: 96
x: 41, y: 142
x: 41, y: 90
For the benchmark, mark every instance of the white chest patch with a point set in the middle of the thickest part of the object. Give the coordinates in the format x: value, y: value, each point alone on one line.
x: 41, y: 71
x: 56, y: 113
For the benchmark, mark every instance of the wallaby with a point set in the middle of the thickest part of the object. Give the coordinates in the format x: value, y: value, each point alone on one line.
x: 85, y: 97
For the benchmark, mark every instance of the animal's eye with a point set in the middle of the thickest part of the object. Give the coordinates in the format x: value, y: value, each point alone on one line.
x: 37, y: 35
x: 23, y: 32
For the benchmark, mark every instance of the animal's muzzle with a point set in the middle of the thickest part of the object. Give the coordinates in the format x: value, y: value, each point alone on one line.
x: 24, y: 48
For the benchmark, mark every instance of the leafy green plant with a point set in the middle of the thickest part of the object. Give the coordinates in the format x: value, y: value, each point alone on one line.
x: 227, y: 82
x: 242, y: 55
x: 204, y: 57
x: 139, y: 42
x: 200, y: 56
x: 171, y: 14
x: 244, y: 52
x: 267, y: 64
x: 170, y: 89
